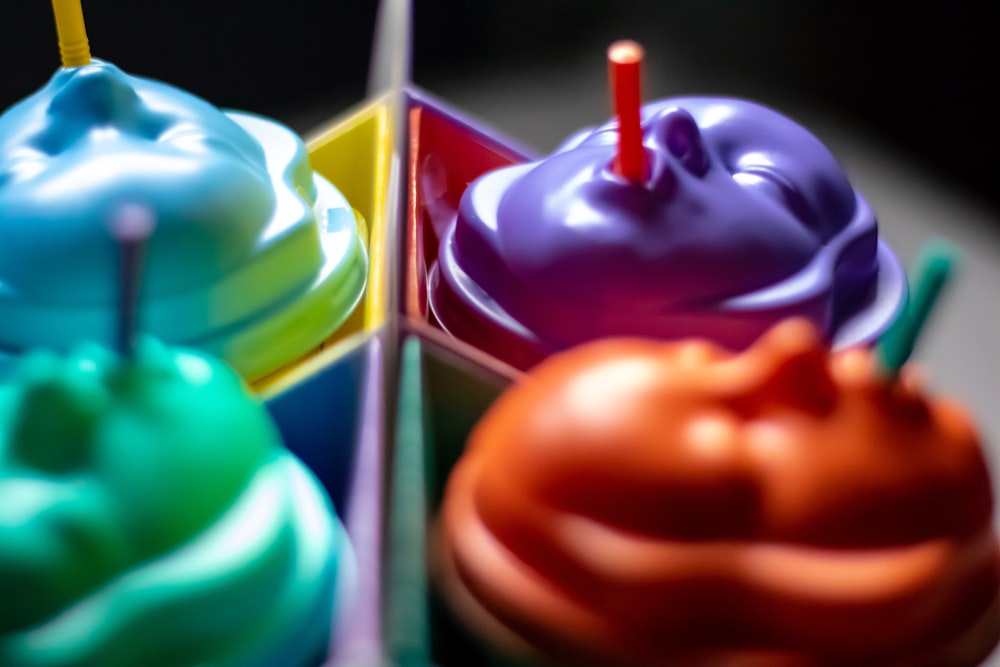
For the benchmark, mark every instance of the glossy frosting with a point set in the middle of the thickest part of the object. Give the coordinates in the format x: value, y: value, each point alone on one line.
x: 255, y: 258
x: 772, y: 507
x: 149, y: 510
x: 744, y: 218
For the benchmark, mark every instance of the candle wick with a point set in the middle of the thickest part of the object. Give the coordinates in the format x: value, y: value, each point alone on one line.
x: 131, y: 227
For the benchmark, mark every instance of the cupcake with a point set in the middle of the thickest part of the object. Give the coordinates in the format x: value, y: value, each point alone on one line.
x: 149, y: 514
x: 741, y: 218
x: 256, y: 258
x: 640, y: 503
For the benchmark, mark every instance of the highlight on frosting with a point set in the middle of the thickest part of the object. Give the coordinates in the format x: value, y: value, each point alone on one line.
x: 255, y: 258
x: 773, y: 507
x: 743, y: 218
x: 148, y: 511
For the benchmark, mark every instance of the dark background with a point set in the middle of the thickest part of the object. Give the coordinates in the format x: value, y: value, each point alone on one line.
x: 917, y: 74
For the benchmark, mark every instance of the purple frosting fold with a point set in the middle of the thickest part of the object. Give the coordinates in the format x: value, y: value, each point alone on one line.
x: 743, y: 218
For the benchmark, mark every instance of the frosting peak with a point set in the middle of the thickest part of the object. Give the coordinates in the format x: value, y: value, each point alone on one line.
x: 743, y: 218
x: 771, y: 507
x: 245, y: 247
x: 94, y: 137
x: 126, y: 494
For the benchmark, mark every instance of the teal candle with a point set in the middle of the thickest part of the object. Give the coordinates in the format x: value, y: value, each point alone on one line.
x: 930, y: 273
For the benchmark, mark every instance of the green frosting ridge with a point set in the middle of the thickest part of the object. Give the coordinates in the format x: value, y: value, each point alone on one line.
x: 150, y: 515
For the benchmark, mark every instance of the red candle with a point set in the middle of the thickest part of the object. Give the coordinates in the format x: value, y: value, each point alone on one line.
x: 624, y: 71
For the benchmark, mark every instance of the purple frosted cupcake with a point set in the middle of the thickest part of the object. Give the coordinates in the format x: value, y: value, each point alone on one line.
x: 743, y: 218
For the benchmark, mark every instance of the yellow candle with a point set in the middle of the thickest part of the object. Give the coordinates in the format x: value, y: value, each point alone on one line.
x: 74, y: 49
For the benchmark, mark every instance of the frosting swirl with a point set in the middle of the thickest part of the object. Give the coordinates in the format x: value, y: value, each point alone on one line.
x: 743, y: 218
x: 150, y: 510
x: 770, y: 508
x: 255, y: 258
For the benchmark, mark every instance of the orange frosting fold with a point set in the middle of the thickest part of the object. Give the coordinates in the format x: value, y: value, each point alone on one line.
x: 645, y: 503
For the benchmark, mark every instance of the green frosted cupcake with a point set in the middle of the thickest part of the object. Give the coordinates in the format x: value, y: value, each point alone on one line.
x: 149, y: 514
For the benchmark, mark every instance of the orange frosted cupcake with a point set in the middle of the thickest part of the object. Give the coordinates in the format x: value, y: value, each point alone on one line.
x: 644, y: 503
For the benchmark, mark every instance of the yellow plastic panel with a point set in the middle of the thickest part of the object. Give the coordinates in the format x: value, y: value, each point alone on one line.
x: 354, y: 153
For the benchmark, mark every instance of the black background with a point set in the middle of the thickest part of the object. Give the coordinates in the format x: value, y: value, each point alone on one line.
x: 919, y: 74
